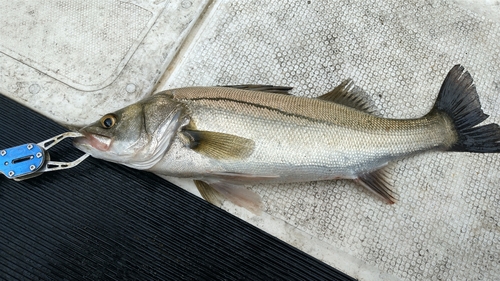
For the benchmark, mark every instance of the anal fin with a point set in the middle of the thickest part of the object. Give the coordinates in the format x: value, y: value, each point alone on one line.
x: 215, y: 191
x: 378, y: 183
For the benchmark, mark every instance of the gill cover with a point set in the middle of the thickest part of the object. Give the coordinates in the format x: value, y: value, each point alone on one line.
x: 161, y: 119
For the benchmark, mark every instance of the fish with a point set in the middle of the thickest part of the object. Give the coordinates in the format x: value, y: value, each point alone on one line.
x: 227, y: 138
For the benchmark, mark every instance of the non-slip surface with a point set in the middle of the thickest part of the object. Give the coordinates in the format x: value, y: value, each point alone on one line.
x: 101, y: 221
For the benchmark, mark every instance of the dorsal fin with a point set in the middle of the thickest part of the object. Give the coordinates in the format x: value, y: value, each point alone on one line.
x: 350, y: 95
x: 263, y: 88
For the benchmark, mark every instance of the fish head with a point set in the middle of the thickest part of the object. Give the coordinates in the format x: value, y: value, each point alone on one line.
x: 136, y: 136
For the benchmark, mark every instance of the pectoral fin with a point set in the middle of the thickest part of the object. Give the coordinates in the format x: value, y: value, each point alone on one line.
x: 219, y: 146
x: 378, y: 183
x: 350, y: 95
x: 215, y: 191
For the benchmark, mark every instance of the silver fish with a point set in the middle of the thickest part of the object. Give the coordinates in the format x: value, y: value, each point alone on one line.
x: 228, y: 137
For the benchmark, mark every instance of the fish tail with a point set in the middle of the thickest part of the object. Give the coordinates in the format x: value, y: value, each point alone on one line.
x: 459, y: 100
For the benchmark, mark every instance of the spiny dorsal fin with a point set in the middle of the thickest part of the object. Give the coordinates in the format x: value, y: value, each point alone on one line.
x: 350, y: 95
x: 209, y: 193
x: 263, y: 88
x: 219, y: 146
x: 378, y: 183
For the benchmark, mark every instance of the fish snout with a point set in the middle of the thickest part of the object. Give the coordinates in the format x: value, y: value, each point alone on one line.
x: 89, y: 141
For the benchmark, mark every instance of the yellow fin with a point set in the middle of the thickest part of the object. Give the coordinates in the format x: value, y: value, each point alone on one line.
x: 209, y: 193
x: 219, y: 146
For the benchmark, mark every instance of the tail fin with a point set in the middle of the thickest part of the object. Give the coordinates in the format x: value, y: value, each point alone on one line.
x: 459, y: 100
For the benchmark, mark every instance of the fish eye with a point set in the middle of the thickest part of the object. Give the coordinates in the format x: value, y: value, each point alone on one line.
x: 108, y: 121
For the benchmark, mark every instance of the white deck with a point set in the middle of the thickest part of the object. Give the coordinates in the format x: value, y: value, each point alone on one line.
x: 74, y: 61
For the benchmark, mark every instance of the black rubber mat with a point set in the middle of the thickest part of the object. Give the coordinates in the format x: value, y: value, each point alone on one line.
x: 101, y: 221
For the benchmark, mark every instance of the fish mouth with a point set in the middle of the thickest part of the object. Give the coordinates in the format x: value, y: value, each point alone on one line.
x: 99, y: 142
